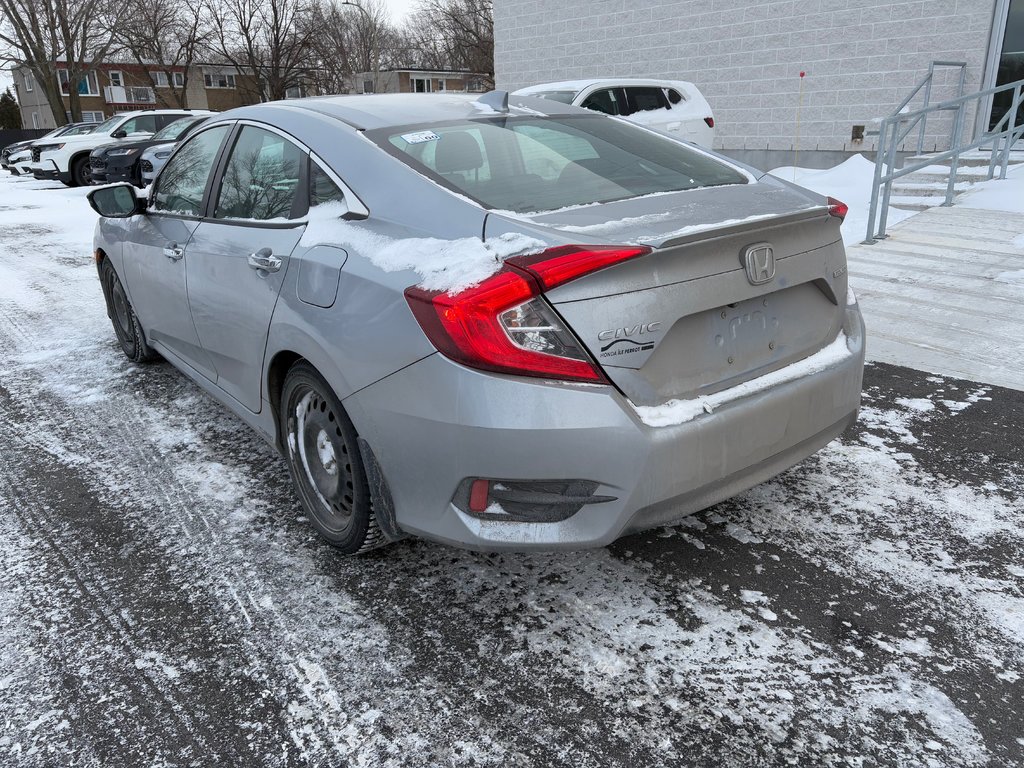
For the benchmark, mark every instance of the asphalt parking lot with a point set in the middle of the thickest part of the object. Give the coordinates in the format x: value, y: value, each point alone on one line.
x: 162, y: 603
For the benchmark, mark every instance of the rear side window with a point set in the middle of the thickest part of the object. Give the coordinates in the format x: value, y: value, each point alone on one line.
x: 606, y: 100
x: 322, y: 188
x: 182, y: 184
x: 529, y: 164
x: 644, y: 99
x: 261, y: 178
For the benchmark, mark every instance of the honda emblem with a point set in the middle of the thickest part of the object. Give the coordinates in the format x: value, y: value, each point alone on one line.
x: 759, y: 261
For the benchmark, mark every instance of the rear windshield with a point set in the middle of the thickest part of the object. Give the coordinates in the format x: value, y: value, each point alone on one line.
x: 531, y: 164
x: 172, y: 131
x: 565, y: 97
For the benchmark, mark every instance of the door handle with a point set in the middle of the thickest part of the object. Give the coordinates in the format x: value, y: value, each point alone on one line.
x: 173, y: 252
x: 265, y: 260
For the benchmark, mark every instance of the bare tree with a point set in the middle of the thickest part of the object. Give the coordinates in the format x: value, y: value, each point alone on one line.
x: 269, y: 40
x: 165, y: 36
x: 349, y: 40
x: 455, y: 34
x: 48, y: 35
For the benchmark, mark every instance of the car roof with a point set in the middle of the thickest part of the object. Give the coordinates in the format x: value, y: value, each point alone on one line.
x: 393, y: 109
x: 579, y: 85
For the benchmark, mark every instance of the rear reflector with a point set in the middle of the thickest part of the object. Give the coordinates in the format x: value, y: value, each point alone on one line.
x: 710, y: 121
x: 478, y: 493
x: 837, y: 208
x: 503, y: 324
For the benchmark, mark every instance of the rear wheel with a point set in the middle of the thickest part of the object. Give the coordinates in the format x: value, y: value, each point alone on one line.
x: 126, y: 323
x: 80, y: 172
x: 325, y: 464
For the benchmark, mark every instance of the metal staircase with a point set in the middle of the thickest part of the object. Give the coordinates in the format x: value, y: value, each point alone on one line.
x: 925, y: 178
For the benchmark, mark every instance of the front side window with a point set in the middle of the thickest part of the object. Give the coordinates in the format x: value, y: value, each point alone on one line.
x: 527, y: 163
x: 182, y: 183
x: 261, y: 178
x: 141, y: 124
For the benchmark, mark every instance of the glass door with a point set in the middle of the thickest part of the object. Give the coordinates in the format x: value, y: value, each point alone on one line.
x: 1011, y: 62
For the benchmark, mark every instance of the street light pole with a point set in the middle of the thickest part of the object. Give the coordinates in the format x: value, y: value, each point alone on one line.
x: 374, y: 48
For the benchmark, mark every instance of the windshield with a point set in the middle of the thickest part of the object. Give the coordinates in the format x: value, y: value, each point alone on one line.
x: 530, y: 164
x: 173, y: 131
x: 565, y: 97
x: 108, y: 124
x: 79, y: 130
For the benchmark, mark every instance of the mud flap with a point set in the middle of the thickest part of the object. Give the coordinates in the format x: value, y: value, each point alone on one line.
x: 383, y: 504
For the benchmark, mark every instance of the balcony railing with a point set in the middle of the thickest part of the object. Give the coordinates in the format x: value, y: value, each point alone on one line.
x: 119, y: 94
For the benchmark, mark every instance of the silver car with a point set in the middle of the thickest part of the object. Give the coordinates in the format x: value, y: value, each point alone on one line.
x: 504, y: 326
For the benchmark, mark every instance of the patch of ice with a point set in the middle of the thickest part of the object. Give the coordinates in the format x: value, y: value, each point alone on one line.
x: 919, y: 404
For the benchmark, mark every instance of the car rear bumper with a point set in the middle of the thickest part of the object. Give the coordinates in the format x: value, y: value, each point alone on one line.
x: 435, y: 424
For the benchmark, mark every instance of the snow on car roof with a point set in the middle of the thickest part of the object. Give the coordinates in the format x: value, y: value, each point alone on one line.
x: 386, y: 110
x: 579, y: 85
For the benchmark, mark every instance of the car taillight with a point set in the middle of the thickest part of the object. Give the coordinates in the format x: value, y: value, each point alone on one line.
x: 837, y: 208
x: 710, y: 121
x: 503, y: 324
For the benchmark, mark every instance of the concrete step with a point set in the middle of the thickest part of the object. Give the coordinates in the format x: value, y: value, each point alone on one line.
x: 901, y: 188
x: 968, y: 159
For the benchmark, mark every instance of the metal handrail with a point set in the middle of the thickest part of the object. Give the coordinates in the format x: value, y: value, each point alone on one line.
x: 890, y: 136
x: 926, y: 84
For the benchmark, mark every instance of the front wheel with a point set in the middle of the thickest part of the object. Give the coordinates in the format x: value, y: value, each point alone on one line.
x: 80, y: 176
x: 126, y: 323
x: 325, y: 464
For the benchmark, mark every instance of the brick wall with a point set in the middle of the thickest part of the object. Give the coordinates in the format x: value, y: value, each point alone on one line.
x: 861, y: 57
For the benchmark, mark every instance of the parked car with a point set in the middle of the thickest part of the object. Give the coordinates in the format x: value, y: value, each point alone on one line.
x: 20, y: 153
x: 67, y: 160
x: 122, y: 161
x: 154, y: 157
x: 668, y: 105
x: 501, y: 326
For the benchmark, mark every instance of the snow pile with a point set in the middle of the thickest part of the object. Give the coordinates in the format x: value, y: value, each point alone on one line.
x: 998, y: 195
x: 850, y: 182
x: 443, y: 265
x: 676, y: 412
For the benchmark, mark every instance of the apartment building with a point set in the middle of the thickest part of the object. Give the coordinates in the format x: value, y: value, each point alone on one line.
x: 111, y: 88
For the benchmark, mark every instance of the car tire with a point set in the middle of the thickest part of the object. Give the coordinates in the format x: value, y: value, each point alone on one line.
x: 80, y: 175
x: 122, y: 315
x: 325, y: 464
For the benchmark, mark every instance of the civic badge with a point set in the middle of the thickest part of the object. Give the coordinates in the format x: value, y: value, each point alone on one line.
x: 759, y: 261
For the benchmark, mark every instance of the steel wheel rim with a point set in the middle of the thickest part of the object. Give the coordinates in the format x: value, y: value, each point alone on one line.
x: 317, y: 443
x: 122, y: 312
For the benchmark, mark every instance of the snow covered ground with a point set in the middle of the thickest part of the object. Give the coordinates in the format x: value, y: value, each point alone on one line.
x: 850, y: 182
x: 162, y: 602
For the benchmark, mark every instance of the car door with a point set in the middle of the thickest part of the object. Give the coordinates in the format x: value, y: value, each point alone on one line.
x: 239, y: 254
x: 155, y: 257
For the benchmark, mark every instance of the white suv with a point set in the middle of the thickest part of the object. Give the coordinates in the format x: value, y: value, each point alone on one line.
x: 668, y: 105
x: 67, y: 159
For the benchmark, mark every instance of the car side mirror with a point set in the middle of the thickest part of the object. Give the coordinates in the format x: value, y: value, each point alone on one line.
x: 118, y: 135
x: 117, y: 201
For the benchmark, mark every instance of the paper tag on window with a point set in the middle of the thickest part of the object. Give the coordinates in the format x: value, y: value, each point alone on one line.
x: 420, y: 137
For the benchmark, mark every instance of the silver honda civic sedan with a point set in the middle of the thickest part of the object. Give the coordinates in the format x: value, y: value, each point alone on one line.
x: 501, y: 324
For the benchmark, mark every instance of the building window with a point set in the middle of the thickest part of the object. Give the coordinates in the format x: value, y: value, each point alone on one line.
x: 159, y: 79
x: 179, y: 79
x: 87, y: 86
x: 30, y: 81
x: 421, y: 85
x: 116, y: 78
x: 92, y: 117
x: 295, y: 92
x: 442, y: 85
x: 219, y: 80
x: 367, y: 86
x: 35, y: 119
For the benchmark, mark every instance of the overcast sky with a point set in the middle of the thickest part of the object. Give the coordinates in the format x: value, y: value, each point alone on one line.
x: 399, y: 9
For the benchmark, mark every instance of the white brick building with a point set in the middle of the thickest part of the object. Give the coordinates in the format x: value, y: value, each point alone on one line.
x: 861, y: 57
